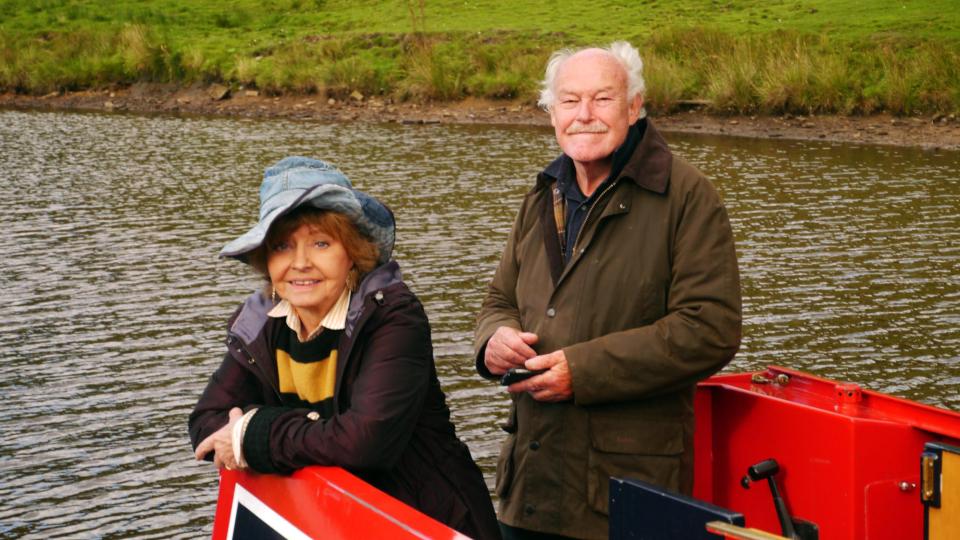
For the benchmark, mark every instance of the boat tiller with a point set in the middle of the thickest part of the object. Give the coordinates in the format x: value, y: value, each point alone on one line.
x: 792, y: 528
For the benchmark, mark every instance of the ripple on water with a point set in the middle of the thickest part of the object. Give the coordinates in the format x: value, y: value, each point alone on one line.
x: 116, y: 302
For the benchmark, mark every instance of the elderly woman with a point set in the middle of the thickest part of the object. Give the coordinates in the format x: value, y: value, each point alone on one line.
x: 332, y: 363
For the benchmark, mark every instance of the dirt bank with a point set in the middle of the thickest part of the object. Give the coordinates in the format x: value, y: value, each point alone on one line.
x: 933, y: 133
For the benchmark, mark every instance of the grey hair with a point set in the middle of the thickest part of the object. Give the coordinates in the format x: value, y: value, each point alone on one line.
x: 621, y: 51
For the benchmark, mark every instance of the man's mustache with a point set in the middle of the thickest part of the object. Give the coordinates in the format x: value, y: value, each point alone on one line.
x: 593, y: 127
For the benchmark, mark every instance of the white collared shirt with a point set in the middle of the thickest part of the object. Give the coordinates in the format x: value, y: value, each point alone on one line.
x: 335, y: 319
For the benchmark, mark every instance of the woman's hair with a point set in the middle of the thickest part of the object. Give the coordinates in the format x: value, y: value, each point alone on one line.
x: 362, y: 250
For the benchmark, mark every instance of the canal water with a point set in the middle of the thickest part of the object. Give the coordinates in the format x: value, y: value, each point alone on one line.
x: 115, y: 301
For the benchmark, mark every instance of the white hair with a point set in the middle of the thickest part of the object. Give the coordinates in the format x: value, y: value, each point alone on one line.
x: 625, y: 54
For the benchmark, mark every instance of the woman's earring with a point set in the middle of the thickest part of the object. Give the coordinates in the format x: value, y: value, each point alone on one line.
x: 353, y: 276
x: 274, y: 295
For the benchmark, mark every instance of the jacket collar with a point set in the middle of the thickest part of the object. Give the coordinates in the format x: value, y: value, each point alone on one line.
x: 255, y: 311
x: 252, y: 317
x: 648, y: 166
x: 373, y: 283
x: 335, y: 319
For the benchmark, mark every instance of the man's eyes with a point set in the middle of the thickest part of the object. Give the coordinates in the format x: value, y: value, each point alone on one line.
x: 575, y: 101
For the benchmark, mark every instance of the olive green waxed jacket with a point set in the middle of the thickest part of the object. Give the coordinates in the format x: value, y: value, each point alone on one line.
x: 648, y: 305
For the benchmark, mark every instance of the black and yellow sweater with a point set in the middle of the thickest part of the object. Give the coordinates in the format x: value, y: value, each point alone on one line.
x: 307, y: 371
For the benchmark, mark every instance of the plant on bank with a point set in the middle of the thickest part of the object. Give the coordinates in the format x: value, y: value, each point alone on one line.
x: 769, y: 73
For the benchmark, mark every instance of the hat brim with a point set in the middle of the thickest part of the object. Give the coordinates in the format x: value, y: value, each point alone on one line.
x: 330, y: 197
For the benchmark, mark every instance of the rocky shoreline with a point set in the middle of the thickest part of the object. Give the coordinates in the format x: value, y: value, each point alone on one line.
x: 940, y: 132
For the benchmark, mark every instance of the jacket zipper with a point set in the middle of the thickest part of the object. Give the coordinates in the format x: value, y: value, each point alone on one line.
x: 365, y: 315
x: 586, y: 220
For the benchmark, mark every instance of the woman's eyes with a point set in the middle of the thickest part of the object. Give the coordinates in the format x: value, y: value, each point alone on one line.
x: 284, y: 246
x: 313, y: 240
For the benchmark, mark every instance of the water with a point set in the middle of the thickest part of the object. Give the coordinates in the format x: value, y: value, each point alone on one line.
x: 116, y: 303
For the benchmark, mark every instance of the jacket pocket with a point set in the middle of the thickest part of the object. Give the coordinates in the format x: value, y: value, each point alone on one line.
x: 628, y: 448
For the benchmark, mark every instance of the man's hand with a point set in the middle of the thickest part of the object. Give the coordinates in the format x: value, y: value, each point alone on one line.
x: 508, y: 348
x: 221, y: 442
x: 554, y: 385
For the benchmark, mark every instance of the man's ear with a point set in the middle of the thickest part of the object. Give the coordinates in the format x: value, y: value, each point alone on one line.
x: 634, y: 108
x: 553, y: 120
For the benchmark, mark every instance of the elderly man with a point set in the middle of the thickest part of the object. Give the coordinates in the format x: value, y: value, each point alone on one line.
x: 620, y: 280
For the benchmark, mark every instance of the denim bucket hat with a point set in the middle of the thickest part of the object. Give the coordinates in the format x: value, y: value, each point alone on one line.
x: 296, y: 181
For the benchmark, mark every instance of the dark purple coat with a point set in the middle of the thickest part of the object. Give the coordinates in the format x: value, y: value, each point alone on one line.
x: 391, y: 426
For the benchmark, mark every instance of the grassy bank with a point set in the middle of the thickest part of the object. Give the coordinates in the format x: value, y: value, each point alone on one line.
x: 765, y: 56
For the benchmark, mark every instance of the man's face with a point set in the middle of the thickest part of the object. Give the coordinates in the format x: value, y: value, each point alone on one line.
x: 591, y: 113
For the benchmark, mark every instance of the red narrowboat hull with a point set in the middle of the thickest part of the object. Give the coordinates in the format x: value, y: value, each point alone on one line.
x: 849, y: 462
x: 319, y: 502
x: 849, y: 458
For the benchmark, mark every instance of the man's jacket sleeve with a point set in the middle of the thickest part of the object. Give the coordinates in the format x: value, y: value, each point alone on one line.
x: 500, y: 304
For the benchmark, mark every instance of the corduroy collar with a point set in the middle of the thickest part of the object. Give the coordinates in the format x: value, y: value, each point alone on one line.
x: 648, y: 166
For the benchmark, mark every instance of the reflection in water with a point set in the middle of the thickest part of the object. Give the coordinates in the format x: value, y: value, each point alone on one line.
x: 116, y: 303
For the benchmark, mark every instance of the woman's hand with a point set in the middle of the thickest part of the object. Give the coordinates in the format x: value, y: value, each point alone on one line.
x: 221, y: 443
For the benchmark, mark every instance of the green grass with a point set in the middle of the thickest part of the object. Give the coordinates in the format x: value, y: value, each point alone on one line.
x: 767, y: 56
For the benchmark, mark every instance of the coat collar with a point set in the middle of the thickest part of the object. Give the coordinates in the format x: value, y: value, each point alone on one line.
x: 252, y: 317
x: 373, y: 283
x: 254, y: 314
x: 648, y: 166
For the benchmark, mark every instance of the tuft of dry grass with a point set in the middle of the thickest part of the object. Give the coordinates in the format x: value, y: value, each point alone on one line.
x: 775, y: 72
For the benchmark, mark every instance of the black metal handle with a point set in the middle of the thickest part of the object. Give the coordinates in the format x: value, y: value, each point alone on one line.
x: 767, y: 469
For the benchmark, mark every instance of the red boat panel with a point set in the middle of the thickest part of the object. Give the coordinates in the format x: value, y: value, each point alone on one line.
x: 849, y: 461
x: 323, y: 502
x: 849, y: 458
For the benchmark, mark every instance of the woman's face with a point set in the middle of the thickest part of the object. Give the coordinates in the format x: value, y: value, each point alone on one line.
x: 309, y: 269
